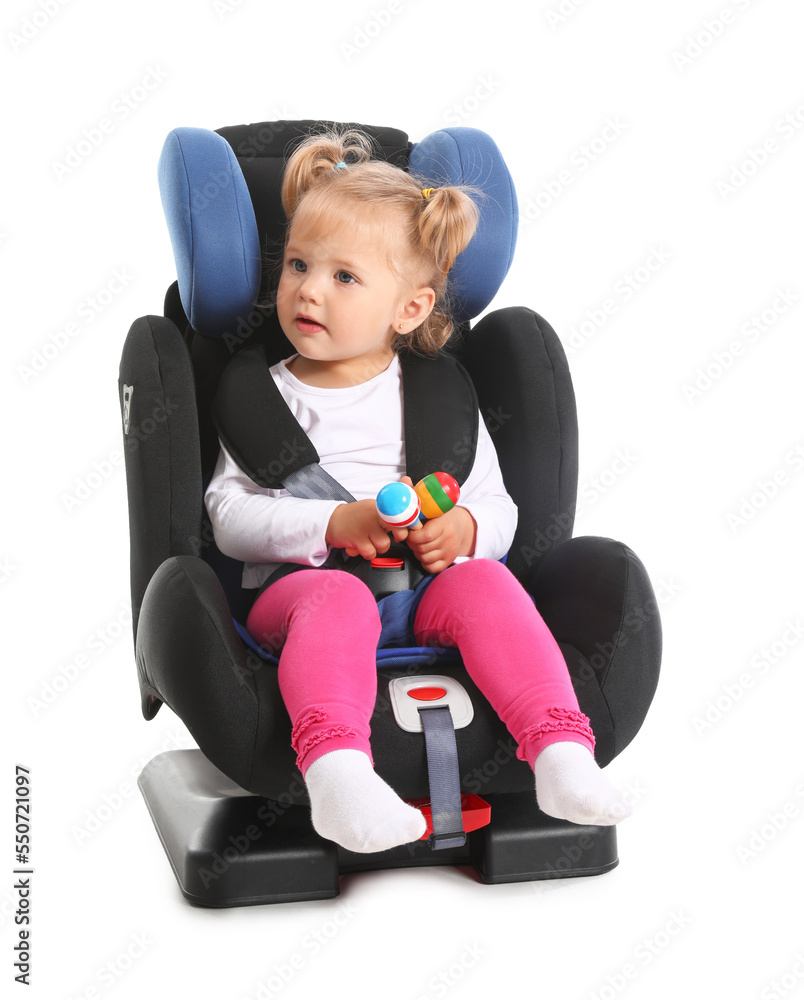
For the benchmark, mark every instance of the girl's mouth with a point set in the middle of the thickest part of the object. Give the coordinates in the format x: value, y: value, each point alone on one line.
x: 304, y: 324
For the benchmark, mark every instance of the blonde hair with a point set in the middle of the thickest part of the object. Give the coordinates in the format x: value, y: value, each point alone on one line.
x: 333, y: 173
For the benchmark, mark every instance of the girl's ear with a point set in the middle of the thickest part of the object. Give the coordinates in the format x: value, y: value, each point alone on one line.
x: 416, y: 310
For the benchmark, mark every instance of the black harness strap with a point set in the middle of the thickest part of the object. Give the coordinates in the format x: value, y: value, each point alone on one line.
x: 256, y: 424
x: 441, y: 417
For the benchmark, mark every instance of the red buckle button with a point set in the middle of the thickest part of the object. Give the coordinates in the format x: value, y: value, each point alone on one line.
x: 427, y: 693
x: 387, y: 562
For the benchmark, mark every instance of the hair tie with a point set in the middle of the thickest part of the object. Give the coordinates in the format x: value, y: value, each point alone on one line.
x: 426, y: 192
x: 340, y: 166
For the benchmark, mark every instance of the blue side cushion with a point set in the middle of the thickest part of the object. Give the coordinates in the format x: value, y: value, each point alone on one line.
x: 212, y: 229
x: 469, y: 156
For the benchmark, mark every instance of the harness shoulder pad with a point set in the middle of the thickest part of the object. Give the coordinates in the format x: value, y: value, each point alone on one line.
x: 441, y: 417
x: 255, y: 423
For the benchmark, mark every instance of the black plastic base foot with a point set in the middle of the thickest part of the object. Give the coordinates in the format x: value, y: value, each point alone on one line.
x: 228, y: 847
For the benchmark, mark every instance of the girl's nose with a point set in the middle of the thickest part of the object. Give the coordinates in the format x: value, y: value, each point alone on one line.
x: 307, y: 288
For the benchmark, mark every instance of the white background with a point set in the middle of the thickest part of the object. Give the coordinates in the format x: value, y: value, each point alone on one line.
x: 639, y: 135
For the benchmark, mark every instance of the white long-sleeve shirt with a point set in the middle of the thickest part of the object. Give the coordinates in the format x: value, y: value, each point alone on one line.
x: 358, y: 433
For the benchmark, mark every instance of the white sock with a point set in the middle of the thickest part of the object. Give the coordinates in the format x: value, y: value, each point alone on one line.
x: 570, y: 785
x: 353, y: 806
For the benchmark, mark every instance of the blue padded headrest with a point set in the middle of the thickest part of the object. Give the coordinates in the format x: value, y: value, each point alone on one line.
x: 215, y: 240
x: 469, y: 156
x: 212, y: 229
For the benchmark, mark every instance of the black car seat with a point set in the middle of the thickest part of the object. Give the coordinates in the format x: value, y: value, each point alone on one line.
x: 233, y: 815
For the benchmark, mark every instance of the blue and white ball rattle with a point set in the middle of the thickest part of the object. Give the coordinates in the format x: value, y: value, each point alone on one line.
x: 399, y: 505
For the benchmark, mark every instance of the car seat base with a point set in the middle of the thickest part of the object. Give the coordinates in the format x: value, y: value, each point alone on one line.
x: 229, y: 847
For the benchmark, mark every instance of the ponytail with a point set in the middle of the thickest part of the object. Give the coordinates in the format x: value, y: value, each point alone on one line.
x: 447, y: 223
x: 315, y: 158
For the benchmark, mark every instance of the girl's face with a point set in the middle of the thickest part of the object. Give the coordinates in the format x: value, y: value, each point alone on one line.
x: 339, y: 303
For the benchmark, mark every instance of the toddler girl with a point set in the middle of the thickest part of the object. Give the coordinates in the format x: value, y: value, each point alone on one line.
x: 367, y: 254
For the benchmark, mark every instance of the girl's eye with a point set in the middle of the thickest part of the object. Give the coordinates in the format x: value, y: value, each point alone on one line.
x: 345, y: 278
x: 297, y: 265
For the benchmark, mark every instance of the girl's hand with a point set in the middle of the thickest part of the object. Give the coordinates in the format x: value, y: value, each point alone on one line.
x: 358, y: 528
x: 443, y: 539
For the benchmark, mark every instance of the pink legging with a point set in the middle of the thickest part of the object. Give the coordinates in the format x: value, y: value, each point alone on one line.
x: 326, y: 624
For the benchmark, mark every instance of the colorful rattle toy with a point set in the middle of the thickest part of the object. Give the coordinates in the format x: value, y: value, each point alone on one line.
x: 438, y: 493
x: 407, y: 507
